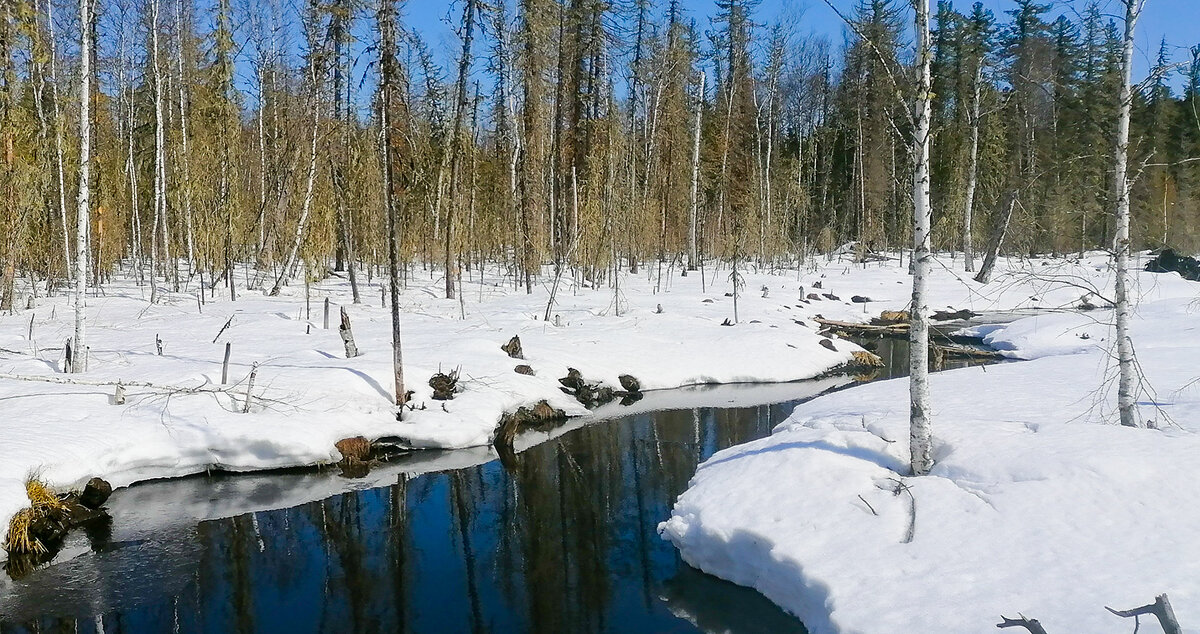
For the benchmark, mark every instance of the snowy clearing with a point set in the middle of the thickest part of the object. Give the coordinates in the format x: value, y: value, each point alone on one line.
x: 307, y: 395
x: 1038, y: 503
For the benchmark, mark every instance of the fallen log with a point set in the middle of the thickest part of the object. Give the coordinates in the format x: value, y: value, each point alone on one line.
x: 967, y: 352
x: 884, y: 330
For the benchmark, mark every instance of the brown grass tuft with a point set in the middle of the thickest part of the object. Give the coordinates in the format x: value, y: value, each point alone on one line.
x: 867, y: 359
x: 42, y: 501
x: 354, y: 449
x: 18, y: 540
x: 41, y: 497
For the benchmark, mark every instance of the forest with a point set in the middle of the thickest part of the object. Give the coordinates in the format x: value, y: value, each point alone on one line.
x: 587, y: 134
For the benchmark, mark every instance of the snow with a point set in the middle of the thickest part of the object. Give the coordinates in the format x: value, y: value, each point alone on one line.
x: 1038, y: 503
x: 307, y: 395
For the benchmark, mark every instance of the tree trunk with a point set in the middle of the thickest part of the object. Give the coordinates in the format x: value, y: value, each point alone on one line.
x: 387, y: 66
x: 160, y: 167
x: 972, y: 172
x: 470, y: 9
x: 58, y: 143
x: 1003, y: 217
x: 289, y: 265
x: 183, y: 138
x: 693, y: 253
x: 1121, y: 244
x: 920, y: 430
x: 79, y: 355
x: 340, y: 29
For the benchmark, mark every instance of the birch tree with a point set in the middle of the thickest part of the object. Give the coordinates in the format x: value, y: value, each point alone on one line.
x: 694, y: 210
x: 78, y: 358
x: 979, y: 25
x: 1121, y: 244
x: 160, y: 156
x: 920, y: 428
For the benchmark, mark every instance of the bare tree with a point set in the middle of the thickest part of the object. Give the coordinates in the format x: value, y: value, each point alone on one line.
x: 920, y: 430
x: 186, y: 180
x: 58, y: 144
x: 457, y: 149
x: 972, y: 168
x: 78, y: 357
x: 314, y: 77
x: 160, y: 167
x: 693, y: 253
x: 1121, y: 243
x: 388, y: 72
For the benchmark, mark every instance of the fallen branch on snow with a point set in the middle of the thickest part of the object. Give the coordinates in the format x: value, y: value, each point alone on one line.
x: 1032, y: 625
x: 1161, y: 609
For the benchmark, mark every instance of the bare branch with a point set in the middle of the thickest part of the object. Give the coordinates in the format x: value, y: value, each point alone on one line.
x: 1160, y: 609
x: 1032, y: 625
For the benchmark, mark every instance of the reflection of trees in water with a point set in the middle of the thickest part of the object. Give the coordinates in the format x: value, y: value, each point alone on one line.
x: 397, y: 545
x: 562, y: 539
x: 461, y: 509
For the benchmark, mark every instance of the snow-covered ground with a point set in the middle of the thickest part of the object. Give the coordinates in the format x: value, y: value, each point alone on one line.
x: 178, y: 419
x: 1039, y: 503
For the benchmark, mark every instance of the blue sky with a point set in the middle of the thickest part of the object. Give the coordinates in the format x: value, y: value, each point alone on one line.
x: 1177, y: 20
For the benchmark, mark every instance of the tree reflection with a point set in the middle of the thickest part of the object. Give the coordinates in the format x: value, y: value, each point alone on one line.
x: 560, y: 537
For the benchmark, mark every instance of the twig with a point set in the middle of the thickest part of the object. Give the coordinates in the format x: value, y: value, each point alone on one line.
x: 222, y: 330
x: 250, y: 388
x: 912, y: 510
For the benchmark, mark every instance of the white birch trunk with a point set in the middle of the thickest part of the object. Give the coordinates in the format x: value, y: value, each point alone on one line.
x: 160, y: 167
x: 693, y: 253
x: 972, y: 173
x: 920, y: 431
x: 1125, y: 361
x: 79, y: 353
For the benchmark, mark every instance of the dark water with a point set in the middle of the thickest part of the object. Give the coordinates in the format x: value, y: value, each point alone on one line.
x: 563, y: 539
x: 894, y: 353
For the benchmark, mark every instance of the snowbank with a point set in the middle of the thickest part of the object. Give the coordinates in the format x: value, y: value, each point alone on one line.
x: 1038, y: 503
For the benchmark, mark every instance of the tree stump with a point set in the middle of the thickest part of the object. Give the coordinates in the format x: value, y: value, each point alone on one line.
x: 347, y: 335
x: 444, y: 385
x: 513, y: 348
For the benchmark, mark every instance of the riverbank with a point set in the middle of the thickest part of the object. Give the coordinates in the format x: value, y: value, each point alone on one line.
x: 1038, y: 504
x: 179, y: 419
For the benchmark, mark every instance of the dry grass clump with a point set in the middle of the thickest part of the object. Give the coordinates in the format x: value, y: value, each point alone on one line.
x: 41, y: 497
x: 42, y: 502
x: 18, y: 540
x: 867, y: 359
x: 356, y: 449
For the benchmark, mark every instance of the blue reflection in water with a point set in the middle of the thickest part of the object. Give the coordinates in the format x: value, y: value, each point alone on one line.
x: 561, y: 539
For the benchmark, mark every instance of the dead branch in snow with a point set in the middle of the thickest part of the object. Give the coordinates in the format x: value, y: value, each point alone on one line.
x: 901, y: 487
x: 1160, y: 609
x: 1032, y: 625
x: 202, y: 388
